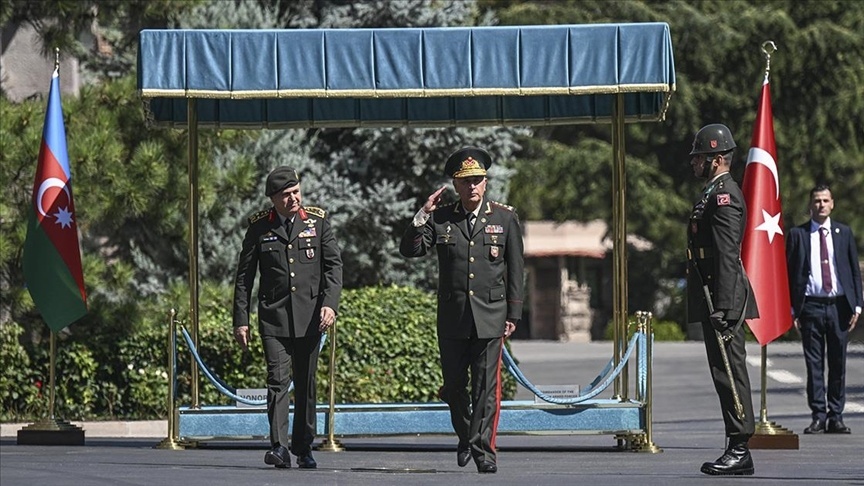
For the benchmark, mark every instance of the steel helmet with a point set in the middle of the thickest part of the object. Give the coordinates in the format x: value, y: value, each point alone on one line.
x: 713, y: 139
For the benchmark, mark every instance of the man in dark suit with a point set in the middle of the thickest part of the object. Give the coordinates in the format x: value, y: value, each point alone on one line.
x: 293, y: 248
x: 480, y: 282
x: 825, y: 287
x: 719, y: 293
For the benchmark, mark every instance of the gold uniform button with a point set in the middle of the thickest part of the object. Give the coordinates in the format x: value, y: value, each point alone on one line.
x: 470, y: 292
x: 293, y: 289
x: 471, y: 244
x: 470, y: 275
x: 292, y: 274
x: 290, y: 246
x: 471, y: 259
x: 290, y: 260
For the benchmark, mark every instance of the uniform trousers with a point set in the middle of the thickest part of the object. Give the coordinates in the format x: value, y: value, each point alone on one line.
x: 474, y: 418
x: 286, y: 358
x: 820, y: 324
x: 737, y: 430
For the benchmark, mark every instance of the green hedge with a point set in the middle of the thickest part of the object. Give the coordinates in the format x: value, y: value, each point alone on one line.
x: 386, y: 352
x: 663, y: 331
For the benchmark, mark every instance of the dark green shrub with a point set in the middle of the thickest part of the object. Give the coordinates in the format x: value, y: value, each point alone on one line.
x: 663, y: 331
x: 387, y: 351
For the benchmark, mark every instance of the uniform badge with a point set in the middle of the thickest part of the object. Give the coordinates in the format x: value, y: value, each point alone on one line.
x: 269, y: 237
x: 308, y: 233
x: 311, y: 222
x: 493, y: 251
x: 724, y: 199
x: 310, y: 253
x: 495, y: 228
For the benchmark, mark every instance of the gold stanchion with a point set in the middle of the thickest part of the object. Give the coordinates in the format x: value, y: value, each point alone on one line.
x: 50, y: 430
x: 330, y: 444
x: 172, y: 441
x: 768, y: 434
x: 648, y: 445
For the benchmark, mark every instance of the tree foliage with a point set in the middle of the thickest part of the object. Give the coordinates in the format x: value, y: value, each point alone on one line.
x: 818, y: 105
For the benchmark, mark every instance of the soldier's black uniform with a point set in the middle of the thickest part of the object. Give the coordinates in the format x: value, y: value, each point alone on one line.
x: 715, y: 233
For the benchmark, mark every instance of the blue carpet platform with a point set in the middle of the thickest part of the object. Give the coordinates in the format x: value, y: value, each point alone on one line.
x: 600, y: 416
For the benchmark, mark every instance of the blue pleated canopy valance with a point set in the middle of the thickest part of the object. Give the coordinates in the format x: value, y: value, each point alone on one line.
x: 429, y: 77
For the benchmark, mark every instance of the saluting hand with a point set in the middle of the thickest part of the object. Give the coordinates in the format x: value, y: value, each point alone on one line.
x: 433, y: 201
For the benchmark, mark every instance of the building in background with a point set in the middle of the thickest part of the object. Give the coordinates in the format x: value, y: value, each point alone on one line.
x: 569, y: 279
x: 25, y: 72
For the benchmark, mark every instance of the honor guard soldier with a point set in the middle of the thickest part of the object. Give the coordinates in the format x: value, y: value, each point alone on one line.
x: 718, y: 291
x: 293, y: 249
x: 480, y: 286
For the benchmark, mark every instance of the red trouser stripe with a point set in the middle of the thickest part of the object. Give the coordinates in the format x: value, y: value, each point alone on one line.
x: 497, y: 397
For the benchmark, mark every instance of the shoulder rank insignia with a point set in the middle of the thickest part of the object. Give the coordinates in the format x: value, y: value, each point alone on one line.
x: 315, y: 211
x: 259, y: 215
x: 498, y: 205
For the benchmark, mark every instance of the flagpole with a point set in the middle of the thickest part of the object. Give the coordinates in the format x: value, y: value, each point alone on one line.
x: 51, y: 430
x: 769, y: 435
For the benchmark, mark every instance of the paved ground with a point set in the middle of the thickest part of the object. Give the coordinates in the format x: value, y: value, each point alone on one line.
x: 686, y: 426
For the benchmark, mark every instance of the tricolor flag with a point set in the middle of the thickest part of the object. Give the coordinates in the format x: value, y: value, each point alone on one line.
x: 764, y: 248
x: 52, y: 258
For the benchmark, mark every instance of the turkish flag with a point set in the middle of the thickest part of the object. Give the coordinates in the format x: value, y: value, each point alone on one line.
x: 764, y: 248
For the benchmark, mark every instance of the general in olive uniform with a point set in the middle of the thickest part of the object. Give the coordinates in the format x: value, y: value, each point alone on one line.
x: 480, y: 287
x: 718, y: 291
x: 294, y: 250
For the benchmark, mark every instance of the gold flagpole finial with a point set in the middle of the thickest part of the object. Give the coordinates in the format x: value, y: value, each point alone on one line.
x: 57, y: 59
x: 768, y: 48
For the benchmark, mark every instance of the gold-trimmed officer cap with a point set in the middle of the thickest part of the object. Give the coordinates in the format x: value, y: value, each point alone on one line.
x: 467, y: 162
x: 280, y: 179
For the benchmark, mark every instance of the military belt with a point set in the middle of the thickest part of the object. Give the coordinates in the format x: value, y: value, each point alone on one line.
x: 699, y: 253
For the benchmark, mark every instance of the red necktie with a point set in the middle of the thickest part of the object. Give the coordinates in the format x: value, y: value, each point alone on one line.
x: 823, y: 257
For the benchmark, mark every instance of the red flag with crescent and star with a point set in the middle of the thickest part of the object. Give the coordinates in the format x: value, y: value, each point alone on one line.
x: 764, y: 247
x: 52, y: 257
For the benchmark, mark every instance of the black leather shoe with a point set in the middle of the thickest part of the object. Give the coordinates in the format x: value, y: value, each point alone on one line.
x: 817, y: 427
x: 837, y: 427
x: 487, y: 467
x: 278, y: 456
x: 306, y: 461
x: 736, y: 461
x: 463, y: 456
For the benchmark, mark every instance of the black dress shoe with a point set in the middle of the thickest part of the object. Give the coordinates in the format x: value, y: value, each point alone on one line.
x: 736, y: 461
x: 278, y: 456
x: 487, y: 467
x: 817, y: 427
x: 463, y: 456
x: 837, y: 427
x: 306, y: 461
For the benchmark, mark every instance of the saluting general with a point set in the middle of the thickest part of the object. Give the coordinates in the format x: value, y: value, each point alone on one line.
x: 480, y: 287
x: 293, y: 248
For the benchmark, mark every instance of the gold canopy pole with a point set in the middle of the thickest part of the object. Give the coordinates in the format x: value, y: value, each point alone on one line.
x: 769, y: 435
x: 192, y: 121
x: 619, y: 247
x: 331, y: 443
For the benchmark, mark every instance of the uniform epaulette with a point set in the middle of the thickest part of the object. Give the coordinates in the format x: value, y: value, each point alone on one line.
x: 503, y: 206
x: 315, y: 211
x: 258, y: 215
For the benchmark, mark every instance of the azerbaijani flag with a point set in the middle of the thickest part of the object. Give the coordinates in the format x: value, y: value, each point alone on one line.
x: 52, y: 258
